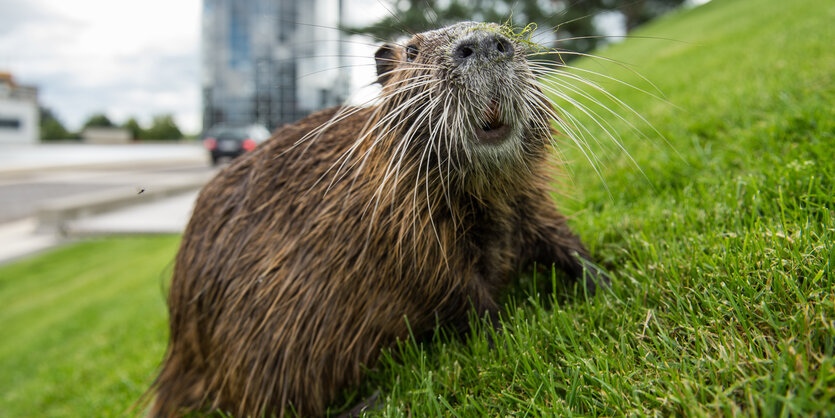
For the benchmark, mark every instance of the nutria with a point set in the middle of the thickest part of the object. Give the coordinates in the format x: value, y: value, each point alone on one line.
x: 307, y: 256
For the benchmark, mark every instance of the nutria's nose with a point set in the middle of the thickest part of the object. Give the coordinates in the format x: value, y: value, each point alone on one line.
x: 489, y: 46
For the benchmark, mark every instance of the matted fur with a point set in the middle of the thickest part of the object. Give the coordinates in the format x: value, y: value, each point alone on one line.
x: 308, y: 255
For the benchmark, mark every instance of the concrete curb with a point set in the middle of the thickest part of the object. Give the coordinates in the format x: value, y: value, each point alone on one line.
x: 54, y: 215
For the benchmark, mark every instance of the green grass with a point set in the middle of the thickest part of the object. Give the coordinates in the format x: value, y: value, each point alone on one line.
x: 720, y: 247
x: 83, y: 327
x: 723, y: 299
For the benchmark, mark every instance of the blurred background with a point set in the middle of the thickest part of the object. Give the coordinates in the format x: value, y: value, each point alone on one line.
x: 114, y: 114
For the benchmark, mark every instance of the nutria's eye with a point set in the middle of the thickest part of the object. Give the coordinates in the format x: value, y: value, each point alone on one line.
x: 411, y: 53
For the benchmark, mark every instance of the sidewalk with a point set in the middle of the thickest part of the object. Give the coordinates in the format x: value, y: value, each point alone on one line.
x: 19, y: 239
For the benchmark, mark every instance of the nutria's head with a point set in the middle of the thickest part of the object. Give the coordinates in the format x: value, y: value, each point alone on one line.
x: 467, y: 91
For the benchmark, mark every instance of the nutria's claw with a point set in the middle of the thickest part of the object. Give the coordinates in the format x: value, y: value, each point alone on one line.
x: 593, y: 276
x: 372, y: 403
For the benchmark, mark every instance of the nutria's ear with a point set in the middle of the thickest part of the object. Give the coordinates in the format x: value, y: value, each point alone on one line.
x: 386, y: 58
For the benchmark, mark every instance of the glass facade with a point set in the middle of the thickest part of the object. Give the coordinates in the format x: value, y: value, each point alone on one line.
x: 270, y: 62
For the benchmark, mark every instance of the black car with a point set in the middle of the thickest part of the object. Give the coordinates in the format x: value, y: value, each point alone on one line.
x: 232, y: 141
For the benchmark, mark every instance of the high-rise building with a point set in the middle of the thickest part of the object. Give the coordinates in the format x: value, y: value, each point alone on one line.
x: 270, y: 61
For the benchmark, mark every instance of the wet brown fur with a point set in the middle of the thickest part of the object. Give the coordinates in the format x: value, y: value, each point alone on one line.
x: 303, y: 259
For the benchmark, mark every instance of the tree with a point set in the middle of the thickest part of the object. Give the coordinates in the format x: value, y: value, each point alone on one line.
x: 571, y: 20
x: 638, y: 12
x: 98, y: 120
x: 136, y: 131
x: 51, y: 127
x: 163, y: 127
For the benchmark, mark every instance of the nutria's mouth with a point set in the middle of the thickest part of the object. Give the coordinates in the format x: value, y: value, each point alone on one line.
x: 493, y: 130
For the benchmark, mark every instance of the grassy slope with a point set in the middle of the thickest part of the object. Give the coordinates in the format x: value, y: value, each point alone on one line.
x: 83, y: 327
x: 723, y: 294
x: 722, y: 257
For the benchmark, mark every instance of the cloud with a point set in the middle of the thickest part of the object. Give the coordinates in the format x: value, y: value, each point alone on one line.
x: 123, y: 58
x: 133, y: 87
x: 16, y: 13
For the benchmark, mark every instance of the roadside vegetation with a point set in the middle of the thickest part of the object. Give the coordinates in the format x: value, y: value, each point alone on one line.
x: 719, y: 236
x: 162, y: 128
x: 83, y: 327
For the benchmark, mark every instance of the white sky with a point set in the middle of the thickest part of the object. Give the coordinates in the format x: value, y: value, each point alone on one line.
x: 124, y: 58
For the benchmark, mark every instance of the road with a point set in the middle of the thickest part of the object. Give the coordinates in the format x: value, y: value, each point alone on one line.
x: 21, y: 197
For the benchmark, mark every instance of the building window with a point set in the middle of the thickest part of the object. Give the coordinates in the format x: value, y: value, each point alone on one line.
x: 8, y: 123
